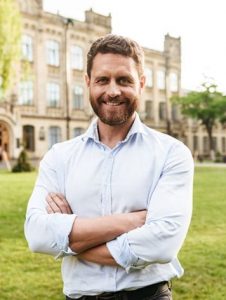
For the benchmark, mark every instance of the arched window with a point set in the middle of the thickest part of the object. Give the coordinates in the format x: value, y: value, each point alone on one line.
x: 27, y: 47
x: 53, y: 53
x: 76, y: 57
x: 161, y: 84
x: 54, y: 135
x: 149, y: 109
x: 26, y: 93
x: 29, y: 137
x: 162, y: 110
x: 53, y: 94
x: 149, y: 77
x: 173, y: 82
x: 78, y: 97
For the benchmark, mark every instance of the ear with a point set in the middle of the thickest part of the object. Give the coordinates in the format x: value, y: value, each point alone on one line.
x: 87, y: 79
x: 142, y: 82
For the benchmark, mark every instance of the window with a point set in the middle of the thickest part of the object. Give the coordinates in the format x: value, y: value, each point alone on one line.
x: 76, y: 57
x: 53, y: 94
x: 195, y: 143
x: 29, y: 137
x: 54, y: 135
x: 214, y: 143
x: 78, y: 131
x: 174, y: 112
x: 205, y: 144
x: 78, y: 97
x: 149, y: 77
x: 173, y: 82
x: 162, y: 110
x: 161, y: 80
x: 148, y: 109
x: 53, y: 58
x: 27, y: 47
x: 26, y: 93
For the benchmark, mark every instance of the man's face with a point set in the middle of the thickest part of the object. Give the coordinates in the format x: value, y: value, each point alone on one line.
x: 115, y: 88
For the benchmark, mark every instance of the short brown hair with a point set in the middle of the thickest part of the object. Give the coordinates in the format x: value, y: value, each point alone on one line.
x: 116, y: 44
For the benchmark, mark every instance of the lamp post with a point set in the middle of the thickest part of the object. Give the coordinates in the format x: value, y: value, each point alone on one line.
x: 67, y: 23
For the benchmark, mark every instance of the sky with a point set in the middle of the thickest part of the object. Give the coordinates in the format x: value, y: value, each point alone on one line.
x: 201, y: 24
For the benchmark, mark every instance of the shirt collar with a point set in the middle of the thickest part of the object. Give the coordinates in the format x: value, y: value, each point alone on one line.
x: 92, y: 131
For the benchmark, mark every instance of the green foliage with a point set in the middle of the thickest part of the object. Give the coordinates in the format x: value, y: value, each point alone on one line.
x: 24, y: 275
x: 10, y: 38
x: 22, y: 163
x: 207, y: 106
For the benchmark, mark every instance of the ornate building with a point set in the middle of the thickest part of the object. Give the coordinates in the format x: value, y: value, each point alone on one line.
x: 51, y: 103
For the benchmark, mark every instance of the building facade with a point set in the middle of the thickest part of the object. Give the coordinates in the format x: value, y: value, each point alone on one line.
x: 51, y: 103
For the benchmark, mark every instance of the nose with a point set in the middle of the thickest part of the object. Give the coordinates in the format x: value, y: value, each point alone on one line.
x: 113, y: 89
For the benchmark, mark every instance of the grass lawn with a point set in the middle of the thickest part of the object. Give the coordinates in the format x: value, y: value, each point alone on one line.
x: 24, y: 275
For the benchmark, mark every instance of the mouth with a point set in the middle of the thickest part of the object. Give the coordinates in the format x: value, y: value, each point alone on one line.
x: 111, y: 103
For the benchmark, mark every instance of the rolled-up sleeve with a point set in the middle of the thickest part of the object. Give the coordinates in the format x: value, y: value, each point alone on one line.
x: 48, y: 233
x: 168, y: 217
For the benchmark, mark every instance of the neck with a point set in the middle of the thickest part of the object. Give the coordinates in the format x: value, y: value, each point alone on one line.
x: 111, y: 135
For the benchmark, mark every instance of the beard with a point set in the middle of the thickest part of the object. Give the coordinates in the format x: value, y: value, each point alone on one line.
x: 121, y: 110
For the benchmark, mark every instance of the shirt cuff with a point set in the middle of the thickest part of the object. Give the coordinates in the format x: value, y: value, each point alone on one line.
x: 121, y: 252
x: 61, y: 226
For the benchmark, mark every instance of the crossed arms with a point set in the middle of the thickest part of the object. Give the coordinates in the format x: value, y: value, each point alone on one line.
x: 131, y: 240
x: 88, y: 236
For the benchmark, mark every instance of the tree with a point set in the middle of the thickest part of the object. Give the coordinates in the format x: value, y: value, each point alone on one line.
x: 207, y: 106
x: 10, y: 37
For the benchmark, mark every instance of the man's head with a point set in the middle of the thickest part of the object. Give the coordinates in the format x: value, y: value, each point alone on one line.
x: 116, y: 44
x: 115, y: 79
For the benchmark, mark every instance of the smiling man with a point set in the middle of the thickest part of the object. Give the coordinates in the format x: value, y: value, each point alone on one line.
x: 115, y: 202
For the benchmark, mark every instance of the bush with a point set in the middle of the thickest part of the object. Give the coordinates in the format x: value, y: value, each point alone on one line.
x: 218, y: 158
x: 22, y: 163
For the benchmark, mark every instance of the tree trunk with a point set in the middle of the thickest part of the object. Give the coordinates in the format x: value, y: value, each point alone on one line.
x: 212, y: 153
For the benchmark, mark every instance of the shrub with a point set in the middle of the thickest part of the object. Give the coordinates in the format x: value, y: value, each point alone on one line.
x: 22, y: 163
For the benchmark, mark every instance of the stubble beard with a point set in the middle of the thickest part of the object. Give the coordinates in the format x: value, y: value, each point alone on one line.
x: 113, y: 118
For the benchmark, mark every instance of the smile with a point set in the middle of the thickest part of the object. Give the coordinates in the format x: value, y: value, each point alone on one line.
x: 113, y: 103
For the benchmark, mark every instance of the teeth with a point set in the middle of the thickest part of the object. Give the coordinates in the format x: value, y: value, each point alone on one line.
x: 113, y: 103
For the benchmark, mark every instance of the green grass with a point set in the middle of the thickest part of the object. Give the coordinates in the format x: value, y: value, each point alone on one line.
x: 204, y: 253
x: 24, y: 275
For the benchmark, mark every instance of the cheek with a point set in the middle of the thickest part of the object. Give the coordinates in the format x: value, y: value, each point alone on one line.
x: 132, y: 92
x: 98, y: 90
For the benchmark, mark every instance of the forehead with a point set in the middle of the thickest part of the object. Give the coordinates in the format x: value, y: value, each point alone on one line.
x: 113, y: 63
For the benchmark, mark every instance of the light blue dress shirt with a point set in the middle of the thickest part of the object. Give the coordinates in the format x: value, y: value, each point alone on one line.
x: 148, y: 170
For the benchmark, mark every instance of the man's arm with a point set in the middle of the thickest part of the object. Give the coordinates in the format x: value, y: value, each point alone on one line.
x: 169, y: 214
x: 99, y: 255
x: 48, y: 231
x: 87, y: 233
x: 168, y: 218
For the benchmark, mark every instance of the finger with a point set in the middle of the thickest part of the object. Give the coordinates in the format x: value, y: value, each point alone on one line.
x: 67, y: 205
x: 57, y: 199
x: 52, y: 202
x: 49, y: 210
x: 61, y: 202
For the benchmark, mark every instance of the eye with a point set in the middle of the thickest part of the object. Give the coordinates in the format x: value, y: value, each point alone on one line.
x: 102, y: 80
x: 124, y: 81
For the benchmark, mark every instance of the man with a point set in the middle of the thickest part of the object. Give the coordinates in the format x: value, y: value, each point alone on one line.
x: 115, y: 202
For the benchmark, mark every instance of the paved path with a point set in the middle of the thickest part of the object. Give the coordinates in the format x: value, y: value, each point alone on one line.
x: 209, y: 164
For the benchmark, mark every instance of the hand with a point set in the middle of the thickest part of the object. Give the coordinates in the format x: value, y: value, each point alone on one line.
x: 56, y: 203
x: 137, y: 218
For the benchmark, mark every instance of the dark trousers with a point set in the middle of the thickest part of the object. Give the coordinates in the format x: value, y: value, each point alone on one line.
x: 159, y: 291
